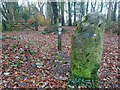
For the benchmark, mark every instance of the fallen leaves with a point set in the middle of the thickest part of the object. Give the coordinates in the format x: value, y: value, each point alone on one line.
x: 109, y: 61
x: 34, y: 61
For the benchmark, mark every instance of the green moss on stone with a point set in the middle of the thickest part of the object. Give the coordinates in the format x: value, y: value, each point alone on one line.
x: 86, y: 51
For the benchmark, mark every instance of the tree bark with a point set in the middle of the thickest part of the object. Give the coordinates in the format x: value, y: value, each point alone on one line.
x: 101, y: 6
x: 93, y: 6
x: 40, y: 5
x: 69, y: 11
x: 74, y: 13
x: 62, y: 13
x: 109, y: 11
x: 87, y: 7
x: 82, y: 8
x: 48, y: 11
x: 55, y: 11
x: 114, y: 11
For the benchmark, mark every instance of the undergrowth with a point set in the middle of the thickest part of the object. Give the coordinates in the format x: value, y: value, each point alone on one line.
x: 79, y: 82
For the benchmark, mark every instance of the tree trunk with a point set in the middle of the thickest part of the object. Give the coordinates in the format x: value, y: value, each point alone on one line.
x: 114, y: 11
x: 55, y: 11
x: 82, y: 8
x: 93, y: 6
x: 109, y: 11
x: 87, y: 7
x: 40, y: 5
x: 48, y: 16
x: 52, y: 15
x: 74, y: 13
x: 69, y: 12
x: 62, y: 13
x: 29, y: 8
x: 101, y: 6
x: 48, y: 11
x: 11, y: 8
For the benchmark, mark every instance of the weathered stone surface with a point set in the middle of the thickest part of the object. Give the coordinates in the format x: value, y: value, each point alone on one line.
x: 87, y: 46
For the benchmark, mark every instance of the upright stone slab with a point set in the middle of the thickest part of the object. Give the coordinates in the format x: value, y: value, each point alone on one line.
x: 87, y: 46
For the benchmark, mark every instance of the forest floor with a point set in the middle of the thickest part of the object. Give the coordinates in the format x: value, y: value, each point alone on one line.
x: 33, y: 60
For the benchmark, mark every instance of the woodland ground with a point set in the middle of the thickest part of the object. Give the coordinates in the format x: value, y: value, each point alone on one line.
x: 19, y: 68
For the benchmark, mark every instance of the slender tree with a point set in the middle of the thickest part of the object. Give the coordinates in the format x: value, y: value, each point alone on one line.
x: 109, y: 11
x: 74, y: 13
x: 93, y: 5
x: 40, y: 5
x: 87, y: 7
x: 55, y: 11
x: 49, y: 14
x: 114, y: 11
x: 62, y: 13
x: 69, y: 12
x: 49, y: 11
x: 82, y: 8
x: 29, y: 8
x: 101, y: 6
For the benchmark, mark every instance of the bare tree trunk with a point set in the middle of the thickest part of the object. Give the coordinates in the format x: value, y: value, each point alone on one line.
x: 62, y: 13
x: 29, y: 8
x: 82, y: 8
x: 93, y: 6
x: 109, y: 11
x: 101, y: 6
x: 87, y: 7
x: 48, y: 11
x: 40, y: 5
x: 55, y: 11
x: 69, y: 11
x: 11, y: 10
x: 74, y: 13
x: 48, y: 15
x: 114, y: 11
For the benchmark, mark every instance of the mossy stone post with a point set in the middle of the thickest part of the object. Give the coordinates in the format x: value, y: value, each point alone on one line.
x: 87, y: 46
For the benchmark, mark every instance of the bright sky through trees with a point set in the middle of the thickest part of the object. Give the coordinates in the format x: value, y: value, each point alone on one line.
x: 24, y: 2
